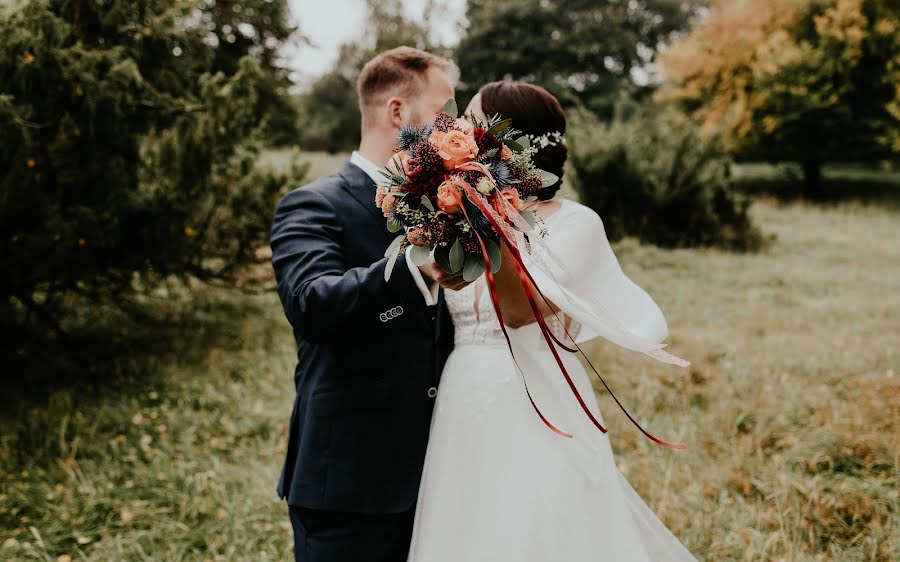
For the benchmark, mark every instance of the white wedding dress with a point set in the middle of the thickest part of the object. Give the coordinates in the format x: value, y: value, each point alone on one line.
x: 499, y: 485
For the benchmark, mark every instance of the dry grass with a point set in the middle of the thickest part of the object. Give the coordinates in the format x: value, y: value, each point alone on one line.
x: 790, y: 406
x: 789, y: 412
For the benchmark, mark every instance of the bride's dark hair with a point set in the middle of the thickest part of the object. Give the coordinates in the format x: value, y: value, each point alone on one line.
x: 535, y: 112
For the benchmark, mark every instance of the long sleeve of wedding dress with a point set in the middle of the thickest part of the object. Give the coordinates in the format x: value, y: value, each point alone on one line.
x: 593, y: 279
x: 576, y: 269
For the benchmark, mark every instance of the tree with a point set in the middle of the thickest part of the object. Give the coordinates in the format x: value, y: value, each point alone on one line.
x: 123, y: 152
x: 794, y: 80
x: 681, y: 196
x: 584, y: 51
x: 237, y: 28
x: 329, y: 109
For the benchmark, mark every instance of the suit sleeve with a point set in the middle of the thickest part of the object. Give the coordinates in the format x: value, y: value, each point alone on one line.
x: 322, y: 299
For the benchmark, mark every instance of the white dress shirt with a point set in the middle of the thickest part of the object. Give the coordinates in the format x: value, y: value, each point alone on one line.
x: 429, y: 290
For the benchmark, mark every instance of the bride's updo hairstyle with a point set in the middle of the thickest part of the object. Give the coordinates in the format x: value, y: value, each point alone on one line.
x: 535, y: 112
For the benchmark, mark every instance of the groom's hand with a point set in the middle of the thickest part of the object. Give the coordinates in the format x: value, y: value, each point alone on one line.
x: 431, y: 271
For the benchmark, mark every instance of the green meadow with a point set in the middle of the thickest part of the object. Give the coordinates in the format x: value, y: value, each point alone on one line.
x: 789, y: 409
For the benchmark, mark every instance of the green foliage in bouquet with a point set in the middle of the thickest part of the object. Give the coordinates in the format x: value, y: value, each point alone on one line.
x: 128, y: 144
x: 651, y: 176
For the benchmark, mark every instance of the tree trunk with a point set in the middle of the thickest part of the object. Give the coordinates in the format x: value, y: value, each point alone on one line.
x: 812, y: 178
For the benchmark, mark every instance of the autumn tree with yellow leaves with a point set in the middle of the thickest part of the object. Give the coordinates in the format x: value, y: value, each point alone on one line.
x: 809, y: 81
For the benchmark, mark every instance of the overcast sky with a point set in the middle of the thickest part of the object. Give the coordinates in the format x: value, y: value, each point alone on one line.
x: 329, y: 23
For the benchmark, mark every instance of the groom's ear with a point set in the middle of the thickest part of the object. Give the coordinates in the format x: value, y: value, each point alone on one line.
x: 397, y: 111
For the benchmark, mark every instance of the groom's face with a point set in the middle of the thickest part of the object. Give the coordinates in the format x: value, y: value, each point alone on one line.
x: 434, y: 94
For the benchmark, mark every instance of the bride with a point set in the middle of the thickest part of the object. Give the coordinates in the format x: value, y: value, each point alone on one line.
x: 498, y: 485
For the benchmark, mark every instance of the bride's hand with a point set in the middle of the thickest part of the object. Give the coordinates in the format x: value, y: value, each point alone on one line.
x: 433, y: 273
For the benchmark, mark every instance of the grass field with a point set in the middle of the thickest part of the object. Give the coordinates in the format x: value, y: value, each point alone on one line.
x: 790, y: 412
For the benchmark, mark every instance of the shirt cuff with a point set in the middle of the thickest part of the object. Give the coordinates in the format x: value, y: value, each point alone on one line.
x: 429, y: 293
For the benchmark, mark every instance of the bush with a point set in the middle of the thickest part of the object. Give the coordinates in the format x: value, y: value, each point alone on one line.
x: 650, y: 175
x: 124, y: 153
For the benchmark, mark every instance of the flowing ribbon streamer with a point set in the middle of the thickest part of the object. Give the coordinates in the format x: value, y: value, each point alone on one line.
x: 507, y: 236
x: 489, y: 275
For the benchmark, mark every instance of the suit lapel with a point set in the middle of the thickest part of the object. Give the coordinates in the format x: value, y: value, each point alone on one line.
x: 361, y: 188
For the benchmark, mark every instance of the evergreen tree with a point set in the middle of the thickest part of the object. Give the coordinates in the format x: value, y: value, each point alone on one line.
x: 124, y: 150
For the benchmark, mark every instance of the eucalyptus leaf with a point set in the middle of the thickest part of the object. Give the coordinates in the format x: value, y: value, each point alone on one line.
x: 392, y: 247
x: 528, y: 216
x: 451, y: 109
x: 500, y: 127
x: 457, y: 256
x: 392, y: 253
x: 473, y: 268
x: 442, y: 257
x: 493, y: 250
x: 513, y: 145
x: 420, y: 255
x: 524, y: 141
x: 547, y: 178
x: 427, y: 203
x: 393, y: 225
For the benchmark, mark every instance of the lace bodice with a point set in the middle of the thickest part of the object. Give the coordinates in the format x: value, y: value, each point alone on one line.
x: 480, y: 326
x: 474, y: 319
x: 474, y: 322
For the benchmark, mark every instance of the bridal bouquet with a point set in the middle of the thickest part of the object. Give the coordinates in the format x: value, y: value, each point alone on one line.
x: 450, y: 183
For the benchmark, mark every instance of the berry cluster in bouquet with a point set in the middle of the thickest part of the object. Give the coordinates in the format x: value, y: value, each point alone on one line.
x: 453, y: 186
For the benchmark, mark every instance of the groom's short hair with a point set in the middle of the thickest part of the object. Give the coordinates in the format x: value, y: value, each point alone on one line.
x: 398, y: 72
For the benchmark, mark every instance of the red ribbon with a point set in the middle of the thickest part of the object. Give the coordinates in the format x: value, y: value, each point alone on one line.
x: 489, y: 275
x: 524, y: 277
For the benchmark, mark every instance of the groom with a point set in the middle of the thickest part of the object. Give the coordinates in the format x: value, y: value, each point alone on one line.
x: 369, y: 351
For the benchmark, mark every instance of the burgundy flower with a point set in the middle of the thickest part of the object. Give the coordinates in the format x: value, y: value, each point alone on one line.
x: 441, y: 232
x: 486, y: 141
x: 470, y: 243
x: 444, y: 123
x: 426, y: 172
x: 529, y: 184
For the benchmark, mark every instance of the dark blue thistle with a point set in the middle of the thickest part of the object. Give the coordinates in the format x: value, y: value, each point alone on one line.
x: 500, y: 172
x: 479, y: 221
x: 411, y: 135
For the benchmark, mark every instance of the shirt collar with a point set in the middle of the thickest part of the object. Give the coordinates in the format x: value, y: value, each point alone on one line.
x: 371, y: 169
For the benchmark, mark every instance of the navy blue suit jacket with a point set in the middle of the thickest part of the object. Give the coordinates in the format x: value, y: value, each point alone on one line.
x: 369, y: 352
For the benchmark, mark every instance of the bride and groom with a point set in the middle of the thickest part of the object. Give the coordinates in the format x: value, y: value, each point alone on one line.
x: 431, y: 451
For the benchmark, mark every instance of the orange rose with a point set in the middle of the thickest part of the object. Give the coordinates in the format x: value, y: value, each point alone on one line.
x: 398, y: 160
x: 506, y: 153
x: 456, y: 148
x: 449, y: 197
x: 436, y: 137
x: 511, y: 196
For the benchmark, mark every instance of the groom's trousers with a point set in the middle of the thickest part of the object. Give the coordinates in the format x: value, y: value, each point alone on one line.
x: 327, y: 536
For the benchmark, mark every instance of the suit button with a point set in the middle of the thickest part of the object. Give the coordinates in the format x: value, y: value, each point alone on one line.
x: 432, y: 392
